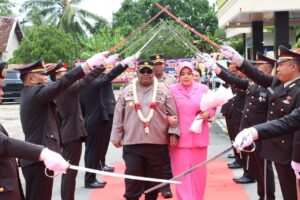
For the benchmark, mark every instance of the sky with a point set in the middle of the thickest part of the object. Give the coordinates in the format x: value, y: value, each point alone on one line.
x: 103, y: 8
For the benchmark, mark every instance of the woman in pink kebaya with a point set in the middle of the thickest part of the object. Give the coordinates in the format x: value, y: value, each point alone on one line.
x: 191, y: 148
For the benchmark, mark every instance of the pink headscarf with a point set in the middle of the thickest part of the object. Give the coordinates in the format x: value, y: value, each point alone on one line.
x: 185, y: 64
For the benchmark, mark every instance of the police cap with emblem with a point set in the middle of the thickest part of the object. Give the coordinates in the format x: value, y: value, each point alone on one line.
x: 285, y: 54
x: 145, y: 64
x: 54, y: 69
x: 261, y: 59
x: 36, y: 67
x: 3, y: 72
x: 157, y: 58
x: 59, y: 67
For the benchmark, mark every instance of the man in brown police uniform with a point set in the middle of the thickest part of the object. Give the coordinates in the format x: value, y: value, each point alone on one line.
x: 10, y: 185
x: 39, y: 118
x: 140, y: 126
x: 158, y: 68
x: 285, y: 89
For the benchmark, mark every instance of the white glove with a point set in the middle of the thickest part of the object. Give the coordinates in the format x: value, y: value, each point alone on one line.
x: 131, y: 59
x: 208, y: 62
x: 229, y: 53
x: 243, y: 139
x: 54, y: 161
x: 112, y: 59
x: 97, y: 59
x: 296, y: 168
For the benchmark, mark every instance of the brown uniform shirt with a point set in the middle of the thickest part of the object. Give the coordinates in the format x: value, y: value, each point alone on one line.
x: 128, y: 127
x: 168, y: 80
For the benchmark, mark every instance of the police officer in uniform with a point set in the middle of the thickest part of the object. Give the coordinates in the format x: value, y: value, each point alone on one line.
x: 255, y: 112
x: 98, y: 104
x: 242, y: 159
x: 234, y: 116
x: 72, y: 128
x: 39, y: 118
x: 286, y: 95
x: 144, y: 136
x: 10, y: 185
x: 159, y: 64
x: 277, y: 127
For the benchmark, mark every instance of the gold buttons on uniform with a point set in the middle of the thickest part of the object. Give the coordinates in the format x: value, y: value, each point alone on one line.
x: 250, y: 103
x: 247, y: 110
x: 252, y: 97
x: 271, y: 112
x: 281, y: 109
x: 245, y: 116
x: 2, y: 189
x: 273, y: 104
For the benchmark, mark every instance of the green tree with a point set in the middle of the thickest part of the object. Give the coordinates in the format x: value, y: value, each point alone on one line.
x: 102, y: 40
x: 166, y: 42
x: 48, y: 43
x: 238, y: 44
x: 196, y: 13
x: 63, y: 13
x: 6, y: 7
x: 297, y: 44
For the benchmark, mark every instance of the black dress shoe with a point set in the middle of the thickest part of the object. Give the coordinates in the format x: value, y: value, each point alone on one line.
x: 230, y: 155
x: 166, y: 192
x: 101, y: 182
x: 235, y: 165
x: 243, y: 180
x: 108, y: 168
x: 94, y: 185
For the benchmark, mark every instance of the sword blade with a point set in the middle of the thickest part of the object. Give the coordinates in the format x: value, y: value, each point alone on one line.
x: 141, y: 178
x: 182, y: 38
x: 189, y: 170
x: 140, y: 39
x: 297, y: 189
x: 148, y: 42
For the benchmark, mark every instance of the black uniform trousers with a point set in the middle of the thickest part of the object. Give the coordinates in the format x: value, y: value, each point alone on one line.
x: 38, y: 185
x: 233, y: 127
x: 105, y: 133
x: 257, y: 164
x: 71, y: 153
x: 167, y: 173
x: 143, y: 160
x: 287, y: 180
x: 96, y: 148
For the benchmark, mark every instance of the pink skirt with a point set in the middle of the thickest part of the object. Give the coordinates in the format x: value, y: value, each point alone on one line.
x: 193, y: 185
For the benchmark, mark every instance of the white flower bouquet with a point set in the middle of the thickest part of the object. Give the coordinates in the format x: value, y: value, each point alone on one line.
x: 209, y: 100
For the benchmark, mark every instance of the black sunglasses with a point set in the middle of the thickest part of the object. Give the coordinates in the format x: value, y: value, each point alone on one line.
x: 146, y: 70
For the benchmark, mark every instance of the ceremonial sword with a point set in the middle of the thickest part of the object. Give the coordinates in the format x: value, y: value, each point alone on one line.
x: 187, y: 26
x: 190, y: 170
x: 182, y: 39
x: 94, y: 171
x: 186, y: 41
x: 141, y: 38
x: 148, y: 42
x: 136, y: 31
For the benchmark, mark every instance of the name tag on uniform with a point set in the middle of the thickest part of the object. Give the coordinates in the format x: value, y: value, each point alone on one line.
x: 128, y: 97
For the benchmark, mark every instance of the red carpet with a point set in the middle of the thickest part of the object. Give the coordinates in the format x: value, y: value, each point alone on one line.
x: 219, y: 185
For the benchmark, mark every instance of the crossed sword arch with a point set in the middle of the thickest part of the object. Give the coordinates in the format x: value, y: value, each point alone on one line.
x: 187, y: 43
